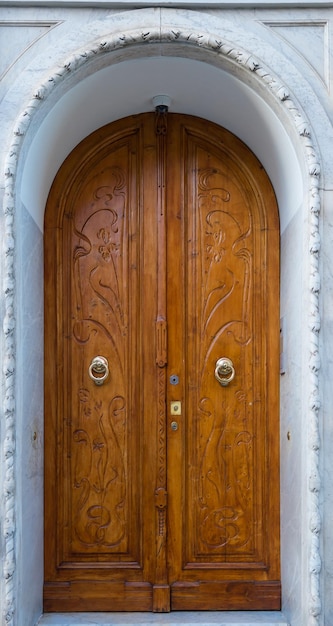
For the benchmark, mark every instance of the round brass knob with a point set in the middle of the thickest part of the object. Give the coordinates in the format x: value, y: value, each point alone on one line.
x: 224, y: 371
x: 99, y: 370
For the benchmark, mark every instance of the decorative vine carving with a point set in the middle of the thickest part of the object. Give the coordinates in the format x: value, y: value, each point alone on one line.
x: 109, y: 248
x: 99, y: 496
x: 226, y: 267
x: 98, y: 246
x: 225, y: 477
x: 100, y: 504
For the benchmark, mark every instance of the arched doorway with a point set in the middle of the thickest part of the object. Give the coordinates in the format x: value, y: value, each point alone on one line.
x: 161, y: 248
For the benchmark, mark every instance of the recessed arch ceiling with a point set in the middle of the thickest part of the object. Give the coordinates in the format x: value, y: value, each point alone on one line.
x: 128, y: 87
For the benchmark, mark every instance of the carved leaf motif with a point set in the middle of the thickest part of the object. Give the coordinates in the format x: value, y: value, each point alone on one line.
x: 219, y: 528
x: 99, y: 500
x: 225, y: 482
x: 110, y: 246
x: 210, y: 179
x: 215, y: 250
x: 100, y: 516
x: 98, y: 253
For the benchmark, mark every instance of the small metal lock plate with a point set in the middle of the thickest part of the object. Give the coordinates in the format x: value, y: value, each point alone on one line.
x: 174, y: 379
x: 174, y: 425
x: 176, y: 407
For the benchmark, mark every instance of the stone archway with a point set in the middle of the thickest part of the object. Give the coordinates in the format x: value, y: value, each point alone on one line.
x: 277, y: 96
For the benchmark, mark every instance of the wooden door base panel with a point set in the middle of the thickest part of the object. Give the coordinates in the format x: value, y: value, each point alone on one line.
x: 103, y: 596
x: 227, y: 596
x: 98, y: 596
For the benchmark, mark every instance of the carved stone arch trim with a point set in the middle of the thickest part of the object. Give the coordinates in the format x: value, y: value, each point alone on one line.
x: 271, y: 83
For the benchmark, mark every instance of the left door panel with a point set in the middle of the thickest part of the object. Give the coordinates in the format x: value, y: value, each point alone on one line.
x: 95, y: 530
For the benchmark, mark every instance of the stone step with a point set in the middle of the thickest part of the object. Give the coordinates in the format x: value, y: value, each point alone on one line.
x: 176, y: 618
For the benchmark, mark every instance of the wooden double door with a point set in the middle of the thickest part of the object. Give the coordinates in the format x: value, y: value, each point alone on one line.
x: 161, y: 458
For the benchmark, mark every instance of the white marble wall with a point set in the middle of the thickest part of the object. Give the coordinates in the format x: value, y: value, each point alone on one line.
x: 292, y: 435
x: 29, y: 382
x: 265, y: 75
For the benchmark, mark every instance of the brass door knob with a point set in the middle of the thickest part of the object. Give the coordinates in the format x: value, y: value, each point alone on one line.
x: 99, y: 370
x: 224, y: 371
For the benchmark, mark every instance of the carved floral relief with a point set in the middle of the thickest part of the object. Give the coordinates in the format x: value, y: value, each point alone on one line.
x: 224, y: 434
x: 99, y: 438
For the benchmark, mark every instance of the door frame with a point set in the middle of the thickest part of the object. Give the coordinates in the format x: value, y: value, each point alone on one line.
x: 15, y: 248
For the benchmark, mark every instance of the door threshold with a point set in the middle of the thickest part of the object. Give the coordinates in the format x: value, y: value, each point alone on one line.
x: 175, y: 618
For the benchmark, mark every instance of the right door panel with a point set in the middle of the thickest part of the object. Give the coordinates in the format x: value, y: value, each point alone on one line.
x: 223, y: 460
